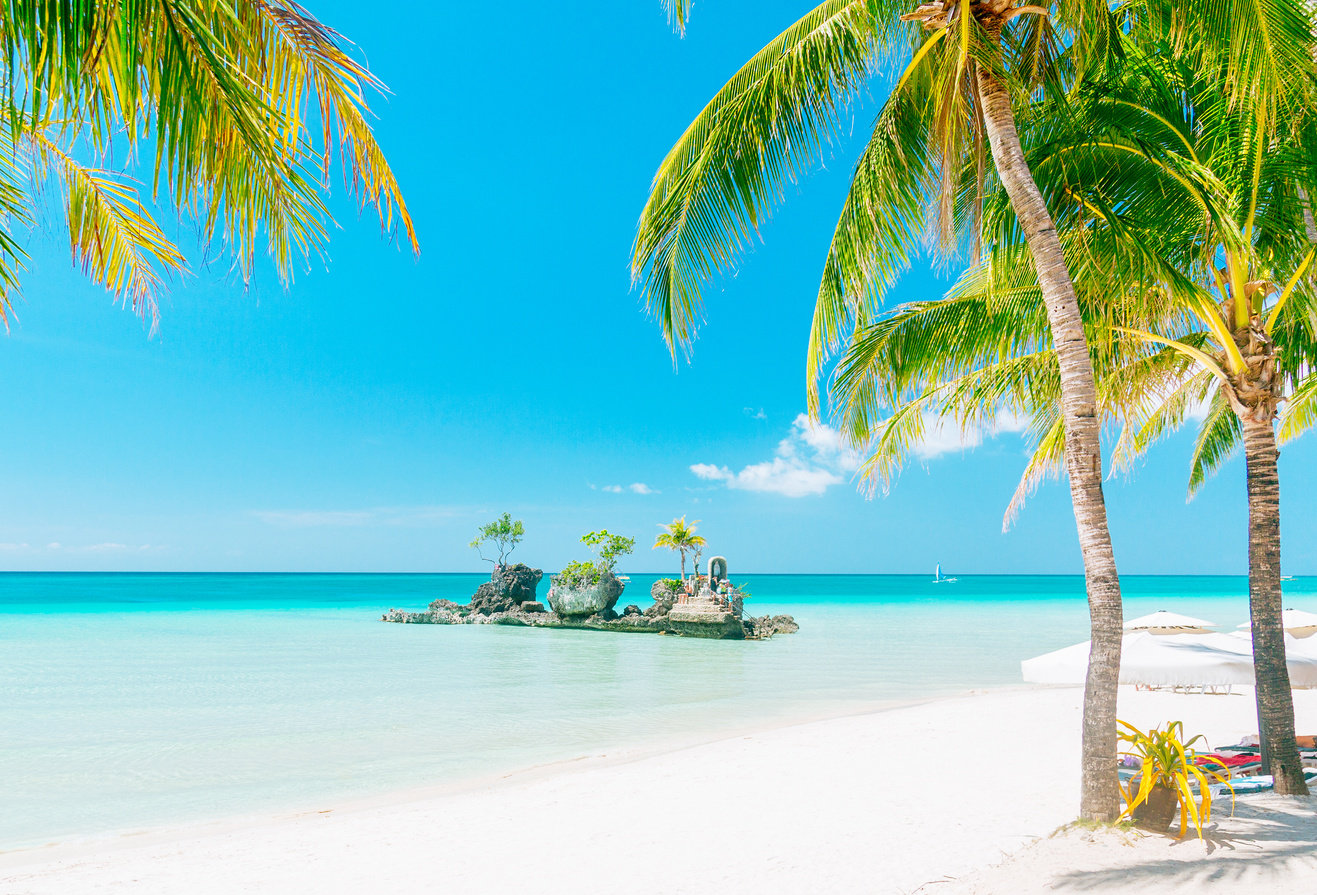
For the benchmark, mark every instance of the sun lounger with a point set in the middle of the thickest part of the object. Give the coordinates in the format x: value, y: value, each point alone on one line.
x: 1259, y: 783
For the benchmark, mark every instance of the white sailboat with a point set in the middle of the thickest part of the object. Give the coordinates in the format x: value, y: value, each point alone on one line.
x: 939, y: 578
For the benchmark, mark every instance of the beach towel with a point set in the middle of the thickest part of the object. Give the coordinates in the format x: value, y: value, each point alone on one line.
x: 1230, y: 761
x: 1253, y: 784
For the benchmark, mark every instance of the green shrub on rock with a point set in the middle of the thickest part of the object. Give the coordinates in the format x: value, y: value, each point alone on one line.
x: 609, y: 548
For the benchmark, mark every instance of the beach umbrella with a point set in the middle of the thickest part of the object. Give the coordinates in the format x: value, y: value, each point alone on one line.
x: 1176, y: 660
x: 1163, y: 622
x: 1295, y: 622
x: 1064, y: 666
x: 1186, y: 660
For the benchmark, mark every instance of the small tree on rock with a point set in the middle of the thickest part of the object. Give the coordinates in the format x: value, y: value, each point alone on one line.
x: 608, y: 547
x: 502, y: 535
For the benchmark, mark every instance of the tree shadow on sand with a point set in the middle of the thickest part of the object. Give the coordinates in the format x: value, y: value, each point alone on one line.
x: 1265, y: 842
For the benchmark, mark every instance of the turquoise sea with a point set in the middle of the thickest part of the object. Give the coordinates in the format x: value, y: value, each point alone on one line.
x: 131, y: 700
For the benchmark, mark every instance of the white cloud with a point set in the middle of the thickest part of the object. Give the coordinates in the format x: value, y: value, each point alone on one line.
x: 634, y: 488
x: 942, y: 435
x: 1197, y: 410
x: 813, y: 457
x: 809, y: 460
x: 754, y: 414
x: 53, y: 545
x: 777, y: 476
x: 12, y: 547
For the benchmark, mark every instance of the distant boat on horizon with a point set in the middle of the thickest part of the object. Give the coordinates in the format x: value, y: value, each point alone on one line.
x: 939, y: 578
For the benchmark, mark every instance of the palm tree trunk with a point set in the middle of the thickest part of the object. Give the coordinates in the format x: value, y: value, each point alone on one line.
x: 1100, y: 798
x: 1274, y: 696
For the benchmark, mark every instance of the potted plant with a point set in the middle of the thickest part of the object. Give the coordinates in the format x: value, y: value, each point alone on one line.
x: 1169, y: 772
x: 587, y: 588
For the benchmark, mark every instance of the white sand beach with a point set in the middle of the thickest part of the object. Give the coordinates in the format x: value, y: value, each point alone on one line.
x: 923, y: 798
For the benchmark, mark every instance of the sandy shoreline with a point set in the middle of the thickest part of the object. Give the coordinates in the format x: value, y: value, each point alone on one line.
x: 891, y: 801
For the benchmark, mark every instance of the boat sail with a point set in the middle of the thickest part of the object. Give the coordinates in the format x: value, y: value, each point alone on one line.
x: 939, y: 578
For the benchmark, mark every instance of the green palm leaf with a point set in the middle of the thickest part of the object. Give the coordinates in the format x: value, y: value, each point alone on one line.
x: 764, y: 128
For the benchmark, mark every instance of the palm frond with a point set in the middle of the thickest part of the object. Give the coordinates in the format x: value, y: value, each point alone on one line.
x: 236, y: 107
x: 1047, y: 460
x: 1219, y: 434
x: 1299, y: 412
x: 310, y: 59
x: 679, y: 12
x: 111, y: 233
x: 761, y: 130
x: 878, y: 232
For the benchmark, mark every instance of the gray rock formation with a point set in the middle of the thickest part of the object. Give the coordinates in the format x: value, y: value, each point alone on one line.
x: 766, y: 626
x: 664, y: 597
x: 509, y: 587
x: 593, y: 599
x: 705, y: 615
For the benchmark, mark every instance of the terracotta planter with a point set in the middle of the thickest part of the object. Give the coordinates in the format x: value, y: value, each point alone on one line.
x: 1158, y: 811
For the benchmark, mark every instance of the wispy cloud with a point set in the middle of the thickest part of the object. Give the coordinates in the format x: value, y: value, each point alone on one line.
x: 754, y: 414
x: 349, y: 518
x: 634, y: 488
x: 113, y: 547
x: 103, y: 547
x: 808, y: 461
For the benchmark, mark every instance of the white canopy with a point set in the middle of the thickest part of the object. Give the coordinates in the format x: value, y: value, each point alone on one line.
x: 1163, y: 622
x: 1174, y: 660
x: 1294, y: 621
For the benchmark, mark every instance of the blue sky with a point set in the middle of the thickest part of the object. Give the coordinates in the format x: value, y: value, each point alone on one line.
x: 369, y: 417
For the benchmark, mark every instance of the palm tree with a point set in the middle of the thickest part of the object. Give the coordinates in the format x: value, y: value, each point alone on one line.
x: 1244, y: 314
x: 1157, y: 189
x: 232, y: 110
x: 952, y: 102
x: 679, y: 536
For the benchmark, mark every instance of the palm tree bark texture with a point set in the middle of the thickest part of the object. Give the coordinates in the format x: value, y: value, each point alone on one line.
x: 1254, y: 398
x: 1100, y: 796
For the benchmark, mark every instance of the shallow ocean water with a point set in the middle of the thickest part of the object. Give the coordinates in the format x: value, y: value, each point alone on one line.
x: 129, y: 701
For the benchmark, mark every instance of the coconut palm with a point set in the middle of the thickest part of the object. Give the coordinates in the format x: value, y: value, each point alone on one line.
x: 968, y: 62
x: 1156, y: 187
x: 1245, y: 321
x: 679, y: 536
x: 232, y: 109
